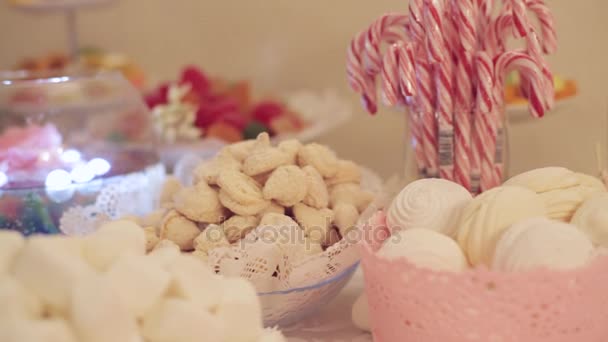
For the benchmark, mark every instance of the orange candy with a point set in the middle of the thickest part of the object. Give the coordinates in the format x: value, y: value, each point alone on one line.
x: 224, y: 131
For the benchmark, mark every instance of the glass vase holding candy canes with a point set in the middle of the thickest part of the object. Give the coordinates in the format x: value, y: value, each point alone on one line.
x: 75, y: 149
x: 446, y: 62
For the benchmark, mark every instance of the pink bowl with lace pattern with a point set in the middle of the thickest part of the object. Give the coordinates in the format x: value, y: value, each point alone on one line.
x: 408, y: 303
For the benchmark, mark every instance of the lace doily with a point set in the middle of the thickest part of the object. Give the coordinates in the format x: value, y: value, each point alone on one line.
x: 277, y: 273
x: 132, y: 194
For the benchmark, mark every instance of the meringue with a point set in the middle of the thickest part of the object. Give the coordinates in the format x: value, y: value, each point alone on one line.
x: 488, y: 215
x: 432, y: 203
x: 561, y: 189
x: 540, y: 242
x: 360, y: 313
x: 425, y: 248
x: 592, y: 218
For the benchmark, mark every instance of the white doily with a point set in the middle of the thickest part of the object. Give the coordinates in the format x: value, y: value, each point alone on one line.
x: 132, y: 194
x: 290, y: 286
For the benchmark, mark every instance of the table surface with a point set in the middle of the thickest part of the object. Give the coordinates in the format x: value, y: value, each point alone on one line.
x: 333, y: 323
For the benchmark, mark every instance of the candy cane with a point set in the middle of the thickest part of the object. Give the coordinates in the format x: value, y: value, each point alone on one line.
x: 463, y: 89
x: 547, y: 24
x: 390, y: 77
x: 388, y: 28
x: 484, y: 136
x: 535, y: 52
x: 528, y: 67
x: 358, y: 80
x: 424, y: 106
x: 520, y: 18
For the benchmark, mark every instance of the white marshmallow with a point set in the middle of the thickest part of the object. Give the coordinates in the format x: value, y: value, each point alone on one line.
x: 240, y: 307
x: 97, y: 313
x: 16, y: 302
x: 48, y: 266
x: 11, y: 243
x: 191, y: 279
x: 165, y: 252
x: 425, y: 248
x: 360, y: 313
x: 434, y: 204
x: 592, y: 218
x: 488, y: 215
x: 540, y: 242
x: 53, y: 330
x: 113, y: 240
x: 180, y: 320
x: 139, y: 281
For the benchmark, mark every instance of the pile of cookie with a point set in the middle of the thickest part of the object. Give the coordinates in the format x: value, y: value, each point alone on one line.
x: 252, y: 184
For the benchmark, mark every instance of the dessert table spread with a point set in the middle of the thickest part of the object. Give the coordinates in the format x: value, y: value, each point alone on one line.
x: 333, y: 323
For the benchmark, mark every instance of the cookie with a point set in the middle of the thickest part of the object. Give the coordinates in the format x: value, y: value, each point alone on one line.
x: 171, y: 186
x: 264, y: 160
x: 154, y: 219
x: 212, y: 237
x: 350, y: 193
x: 280, y: 229
x: 291, y: 147
x: 320, y: 157
x: 240, y: 187
x: 240, y: 150
x: 317, y: 195
x: 208, y: 171
x: 348, y: 172
x: 315, y: 222
x: 200, y: 203
x: 272, y: 208
x: 151, y: 238
x: 239, y: 208
x: 287, y: 185
x: 345, y: 217
x: 236, y: 227
x: 179, y: 229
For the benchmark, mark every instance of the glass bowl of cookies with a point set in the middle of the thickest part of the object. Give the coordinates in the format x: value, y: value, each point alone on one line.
x: 284, y: 216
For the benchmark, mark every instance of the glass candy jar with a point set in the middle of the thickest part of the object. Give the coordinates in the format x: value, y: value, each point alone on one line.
x: 74, y: 150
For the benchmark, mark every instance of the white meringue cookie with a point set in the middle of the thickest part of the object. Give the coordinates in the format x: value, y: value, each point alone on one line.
x: 432, y: 203
x: 425, y: 248
x: 488, y: 215
x: 545, y: 179
x: 562, y: 190
x: 540, y: 242
x: 592, y: 218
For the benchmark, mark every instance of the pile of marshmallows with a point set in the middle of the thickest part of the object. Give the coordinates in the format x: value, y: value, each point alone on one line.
x: 104, y: 288
x: 545, y: 218
x: 253, y: 184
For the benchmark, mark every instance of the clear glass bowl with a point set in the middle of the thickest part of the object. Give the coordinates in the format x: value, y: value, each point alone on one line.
x: 287, y: 307
x: 64, y: 141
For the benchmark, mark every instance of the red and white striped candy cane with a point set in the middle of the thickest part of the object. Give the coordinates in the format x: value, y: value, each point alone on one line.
x: 388, y: 28
x: 535, y: 52
x: 547, y: 24
x: 437, y: 49
x: 358, y: 80
x: 485, y: 123
x: 520, y: 17
x: 417, y: 29
x: 390, y: 85
x: 407, y: 73
x: 529, y: 68
x: 463, y: 89
x: 424, y: 106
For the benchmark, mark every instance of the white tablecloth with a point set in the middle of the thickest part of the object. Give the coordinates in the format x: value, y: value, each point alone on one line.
x: 333, y: 323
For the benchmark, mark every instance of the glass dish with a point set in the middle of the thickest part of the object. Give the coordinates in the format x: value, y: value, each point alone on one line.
x: 71, y: 147
x: 287, y: 307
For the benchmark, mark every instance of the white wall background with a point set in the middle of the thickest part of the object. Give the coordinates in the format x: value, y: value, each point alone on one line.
x: 292, y: 44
